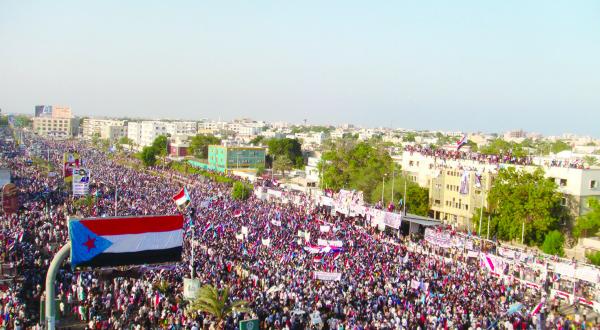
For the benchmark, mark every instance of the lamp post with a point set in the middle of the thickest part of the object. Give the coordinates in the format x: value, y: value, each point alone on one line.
x: 382, y: 190
x: 393, y: 183
x: 480, y: 214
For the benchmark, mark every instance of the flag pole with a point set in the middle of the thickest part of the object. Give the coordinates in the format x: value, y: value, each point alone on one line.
x: 488, y: 231
x: 116, y: 197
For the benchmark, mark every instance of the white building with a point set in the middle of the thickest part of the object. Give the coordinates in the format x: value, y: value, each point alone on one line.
x: 182, y: 128
x: 134, y: 132
x: 312, y: 172
x: 315, y: 138
x: 577, y: 185
x: 102, y: 128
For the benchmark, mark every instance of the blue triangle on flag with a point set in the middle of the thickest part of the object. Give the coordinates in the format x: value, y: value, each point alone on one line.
x: 85, y: 244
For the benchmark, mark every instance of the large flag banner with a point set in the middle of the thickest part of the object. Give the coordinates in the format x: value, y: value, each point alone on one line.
x: 182, y: 199
x: 81, y: 182
x: 70, y: 161
x: 121, y: 241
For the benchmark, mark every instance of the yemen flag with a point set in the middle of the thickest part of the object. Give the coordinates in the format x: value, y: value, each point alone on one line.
x: 120, y: 241
x: 460, y: 143
x: 182, y: 198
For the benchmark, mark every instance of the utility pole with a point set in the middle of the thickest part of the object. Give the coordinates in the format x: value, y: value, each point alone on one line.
x: 404, y: 204
x: 382, y: 190
x: 393, y: 183
x: 480, y: 214
x: 488, y: 232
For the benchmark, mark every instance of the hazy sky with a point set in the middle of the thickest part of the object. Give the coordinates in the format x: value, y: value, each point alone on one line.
x: 454, y: 65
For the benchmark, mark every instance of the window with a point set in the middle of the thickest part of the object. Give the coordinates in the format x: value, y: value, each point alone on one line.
x: 593, y: 184
x: 563, y: 182
x: 467, y: 207
x: 563, y: 201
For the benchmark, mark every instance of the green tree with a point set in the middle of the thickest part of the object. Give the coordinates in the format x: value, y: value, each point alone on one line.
x: 590, y: 160
x: 22, y: 121
x: 594, y: 258
x: 287, y: 147
x: 241, y: 191
x: 148, y: 156
x: 409, y: 137
x: 417, y: 198
x: 199, y: 145
x: 353, y: 165
x: 125, y: 140
x: 588, y: 224
x: 553, y: 243
x: 518, y: 197
x: 160, y: 145
x: 217, y: 303
x: 282, y: 164
x: 559, y: 146
x: 260, y: 170
x: 257, y: 140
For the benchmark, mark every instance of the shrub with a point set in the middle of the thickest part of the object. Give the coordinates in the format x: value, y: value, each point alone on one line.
x: 553, y: 243
x: 241, y: 191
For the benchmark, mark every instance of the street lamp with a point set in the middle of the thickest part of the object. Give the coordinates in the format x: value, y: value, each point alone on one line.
x: 383, y: 190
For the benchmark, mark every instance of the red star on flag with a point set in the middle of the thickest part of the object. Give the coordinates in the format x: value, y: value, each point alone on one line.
x: 90, y: 243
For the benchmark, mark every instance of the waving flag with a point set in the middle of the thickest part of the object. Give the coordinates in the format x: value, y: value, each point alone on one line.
x: 182, y: 198
x: 120, y: 241
x: 460, y: 143
x: 536, y: 309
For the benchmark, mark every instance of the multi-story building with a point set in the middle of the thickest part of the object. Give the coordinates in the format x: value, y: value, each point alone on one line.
x: 445, y: 177
x: 182, y: 128
x: 113, y: 133
x: 104, y: 128
x: 143, y: 133
x: 150, y: 130
x: 235, y: 158
x: 178, y: 145
x: 454, y: 195
x: 55, y: 127
x: 134, y: 132
x: 315, y: 138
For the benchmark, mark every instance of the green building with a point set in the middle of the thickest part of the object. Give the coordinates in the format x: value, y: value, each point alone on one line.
x: 235, y: 158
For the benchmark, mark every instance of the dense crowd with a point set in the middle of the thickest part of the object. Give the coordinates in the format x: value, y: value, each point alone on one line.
x: 376, y: 291
x: 489, y: 159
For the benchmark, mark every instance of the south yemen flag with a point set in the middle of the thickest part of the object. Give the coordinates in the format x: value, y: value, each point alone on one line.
x: 120, y: 241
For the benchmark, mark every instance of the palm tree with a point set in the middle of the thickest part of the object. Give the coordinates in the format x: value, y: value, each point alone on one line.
x: 590, y: 160
x: 216, y: 302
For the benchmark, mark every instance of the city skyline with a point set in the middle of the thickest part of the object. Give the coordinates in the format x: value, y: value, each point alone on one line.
x: 467, y: 66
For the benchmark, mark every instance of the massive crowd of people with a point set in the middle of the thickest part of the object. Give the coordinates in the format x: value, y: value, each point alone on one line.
x: 489, y: 159
x: 378, y: 272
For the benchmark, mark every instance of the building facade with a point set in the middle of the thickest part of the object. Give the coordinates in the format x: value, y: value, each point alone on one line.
x: 235, y: 158
x: 455, y: 186
x: 55, y: 127
x: 104, y: 128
